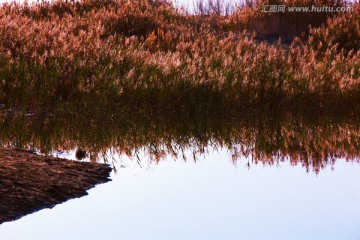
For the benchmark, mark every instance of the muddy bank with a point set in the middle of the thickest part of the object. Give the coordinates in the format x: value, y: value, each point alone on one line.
x: 29, y: 182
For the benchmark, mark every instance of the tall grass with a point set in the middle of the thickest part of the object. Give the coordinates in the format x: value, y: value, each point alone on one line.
x: 137, y: 52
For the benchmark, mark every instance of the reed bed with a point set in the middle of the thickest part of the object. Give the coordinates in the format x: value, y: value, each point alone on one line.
x: 145, y: 52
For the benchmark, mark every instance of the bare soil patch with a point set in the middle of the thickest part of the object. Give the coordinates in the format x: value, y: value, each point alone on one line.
x: 30, y: 182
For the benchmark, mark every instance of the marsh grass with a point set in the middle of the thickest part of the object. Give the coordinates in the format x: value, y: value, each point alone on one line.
x: 141, y: 53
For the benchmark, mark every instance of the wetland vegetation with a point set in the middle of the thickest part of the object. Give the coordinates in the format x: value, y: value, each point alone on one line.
x: 140, y: 52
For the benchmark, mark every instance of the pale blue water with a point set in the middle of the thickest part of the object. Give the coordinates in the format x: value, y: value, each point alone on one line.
x: 212, y: 199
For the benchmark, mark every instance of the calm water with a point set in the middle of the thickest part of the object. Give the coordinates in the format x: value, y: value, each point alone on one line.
x: 199, y: 177
x: 209, y: 199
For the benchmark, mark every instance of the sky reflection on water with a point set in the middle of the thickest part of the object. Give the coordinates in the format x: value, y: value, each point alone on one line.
x: 296, y: 196
x: 210, y: 199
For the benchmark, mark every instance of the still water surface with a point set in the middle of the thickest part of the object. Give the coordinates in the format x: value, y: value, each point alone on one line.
x: 256, y: 175
x: 208, y: 199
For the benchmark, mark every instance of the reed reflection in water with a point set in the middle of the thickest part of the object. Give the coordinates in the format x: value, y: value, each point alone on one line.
x: 312, y: 140
x: 205, y: 197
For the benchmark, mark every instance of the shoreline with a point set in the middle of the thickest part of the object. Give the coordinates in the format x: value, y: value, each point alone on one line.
x: 30, y: 182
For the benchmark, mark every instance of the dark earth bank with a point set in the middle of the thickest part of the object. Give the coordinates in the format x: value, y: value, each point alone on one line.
x: 30, y: 182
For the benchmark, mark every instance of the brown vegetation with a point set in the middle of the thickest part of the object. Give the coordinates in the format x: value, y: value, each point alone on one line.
x: 134, y: 52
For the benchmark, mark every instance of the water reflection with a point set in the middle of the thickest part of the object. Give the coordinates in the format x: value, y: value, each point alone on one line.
x: 312, y: 140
